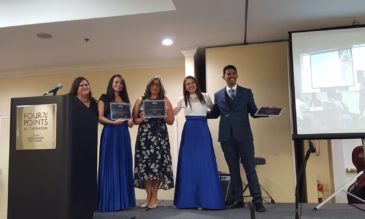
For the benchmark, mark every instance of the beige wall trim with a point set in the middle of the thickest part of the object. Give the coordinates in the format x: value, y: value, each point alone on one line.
x: 250, y: 43
x: 94, y: 67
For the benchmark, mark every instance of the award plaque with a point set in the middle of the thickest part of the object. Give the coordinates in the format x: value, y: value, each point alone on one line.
x: 120, y: 111
x: 154, y: 108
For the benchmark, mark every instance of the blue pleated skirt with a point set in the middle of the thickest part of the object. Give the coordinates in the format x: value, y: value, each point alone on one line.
x: 197, y: 179
x: 115, y: 179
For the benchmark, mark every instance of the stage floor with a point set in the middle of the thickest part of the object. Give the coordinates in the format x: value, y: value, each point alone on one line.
x: 273, y: 211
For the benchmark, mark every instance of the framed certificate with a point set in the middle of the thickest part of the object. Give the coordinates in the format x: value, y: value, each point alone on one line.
x: 269, y: 111
x: 154, y: 108
x: 120, y: 111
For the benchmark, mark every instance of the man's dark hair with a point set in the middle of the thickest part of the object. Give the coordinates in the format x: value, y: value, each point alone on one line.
x: 229, y: 67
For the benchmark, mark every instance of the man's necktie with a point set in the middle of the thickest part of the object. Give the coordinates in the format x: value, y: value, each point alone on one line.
x: 232, y: 93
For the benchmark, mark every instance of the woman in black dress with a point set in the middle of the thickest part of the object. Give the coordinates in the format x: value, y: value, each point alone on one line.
x: 81, y: 89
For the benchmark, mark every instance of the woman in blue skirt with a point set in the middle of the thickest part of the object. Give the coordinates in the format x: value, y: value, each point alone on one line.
x: 115, y: 179
x: 197, y: 179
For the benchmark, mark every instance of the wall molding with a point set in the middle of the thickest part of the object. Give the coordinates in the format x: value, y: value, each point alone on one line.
x: 4, y: 116
x: 90, y: 68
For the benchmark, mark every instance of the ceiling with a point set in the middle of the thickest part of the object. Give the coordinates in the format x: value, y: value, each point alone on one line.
x: 127, y: 33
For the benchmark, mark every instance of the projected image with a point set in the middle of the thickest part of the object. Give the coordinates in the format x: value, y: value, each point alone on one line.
x: 332, y: 100
x: 329, y: 82
x: 336, y: 65
x: 330, y: 111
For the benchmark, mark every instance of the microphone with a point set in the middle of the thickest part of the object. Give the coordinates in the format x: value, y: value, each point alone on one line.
x: 54, y: 90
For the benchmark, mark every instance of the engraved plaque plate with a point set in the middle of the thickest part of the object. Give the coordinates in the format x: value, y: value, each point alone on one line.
x: 36, y: 127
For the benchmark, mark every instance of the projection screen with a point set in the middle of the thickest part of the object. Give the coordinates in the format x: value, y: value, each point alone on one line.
x: 328, y: 83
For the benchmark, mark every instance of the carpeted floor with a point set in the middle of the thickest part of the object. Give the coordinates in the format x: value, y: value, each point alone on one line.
x: 273, y: 211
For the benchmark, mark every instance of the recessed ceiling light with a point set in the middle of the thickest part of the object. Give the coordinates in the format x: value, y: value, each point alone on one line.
x: 44, y: 35
x: 167, y: 42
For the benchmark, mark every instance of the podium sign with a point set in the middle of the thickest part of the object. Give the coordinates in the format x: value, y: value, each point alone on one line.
x: 36, y: 127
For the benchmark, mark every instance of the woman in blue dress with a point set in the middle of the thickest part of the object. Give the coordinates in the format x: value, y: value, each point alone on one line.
x: 115, y: 179
x: 197, y: 179
x: 153, y: 168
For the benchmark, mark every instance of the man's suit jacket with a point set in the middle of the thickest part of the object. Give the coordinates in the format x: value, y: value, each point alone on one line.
x: 234, y: 114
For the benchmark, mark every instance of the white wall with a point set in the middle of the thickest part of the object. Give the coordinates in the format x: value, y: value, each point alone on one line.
x: 4, y: 164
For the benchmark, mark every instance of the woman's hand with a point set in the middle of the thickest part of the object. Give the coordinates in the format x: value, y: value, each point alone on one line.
x: 130, y: 123
x: 139, y: 119
x: 118, y: 121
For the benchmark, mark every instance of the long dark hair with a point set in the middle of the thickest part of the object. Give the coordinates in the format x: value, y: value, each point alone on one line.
x: 123, y: 93
x: 147, y: 92
x: 75, y: 86
x: 187, y: 94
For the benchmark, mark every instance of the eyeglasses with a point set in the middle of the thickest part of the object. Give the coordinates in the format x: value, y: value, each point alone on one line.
x: 83, y: 85
x: 156, y: 84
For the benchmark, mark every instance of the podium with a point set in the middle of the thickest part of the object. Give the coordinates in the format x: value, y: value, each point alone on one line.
x: 57, y: 181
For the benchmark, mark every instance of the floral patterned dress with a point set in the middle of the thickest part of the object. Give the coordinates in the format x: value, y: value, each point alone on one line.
x: 152, y: 154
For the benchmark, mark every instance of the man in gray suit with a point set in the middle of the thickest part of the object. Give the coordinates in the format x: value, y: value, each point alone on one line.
x: 233, y: 104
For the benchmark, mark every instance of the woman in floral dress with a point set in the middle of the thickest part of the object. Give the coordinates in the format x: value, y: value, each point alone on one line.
x: 153, y: 169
